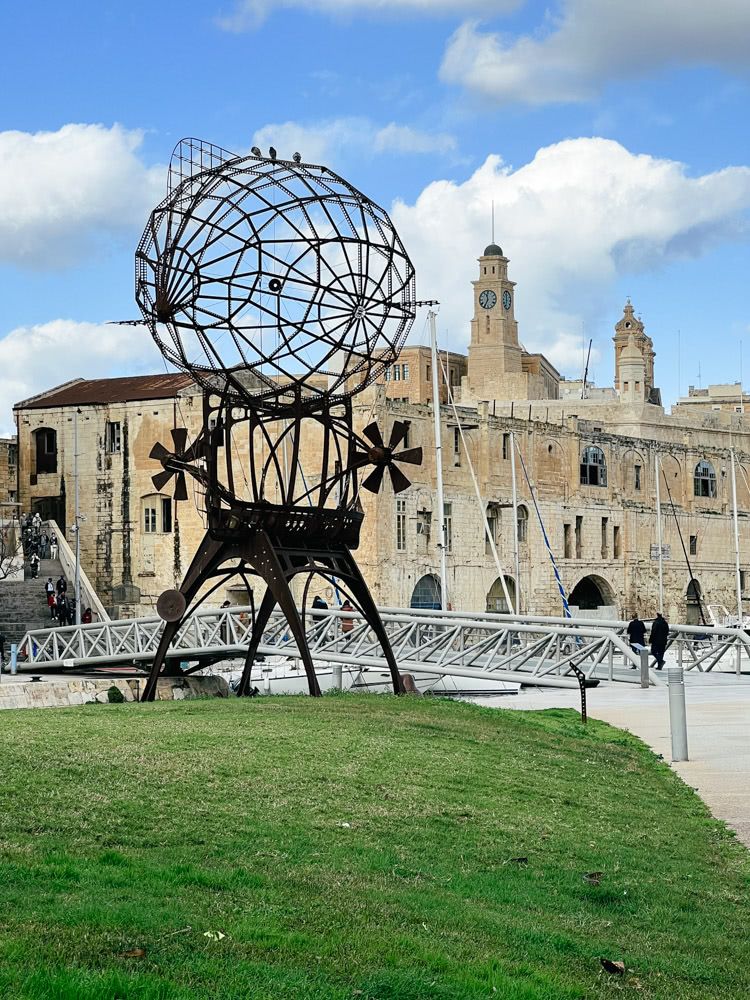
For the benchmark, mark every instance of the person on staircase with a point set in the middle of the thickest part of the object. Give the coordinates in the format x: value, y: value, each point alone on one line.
x: 53, y: 546
x: 49, y: 589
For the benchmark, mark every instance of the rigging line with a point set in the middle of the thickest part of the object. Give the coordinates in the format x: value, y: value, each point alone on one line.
x: 482, y: 507
x: 558, y: 579
x: 696, y: 585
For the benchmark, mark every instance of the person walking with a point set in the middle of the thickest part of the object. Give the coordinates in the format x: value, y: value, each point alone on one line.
x: 62, y: 586
x: 53, y: 546
x: 34, y: 565
x: 659, y: 637
x: 44, y: 545
x: 49, y: 589
x: 62, y: 609
x: 636, y: 635
x: 319, y: 603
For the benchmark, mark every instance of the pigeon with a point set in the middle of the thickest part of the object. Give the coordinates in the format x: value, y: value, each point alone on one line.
x: 272, y: 153
x: 255, y: 151
x: 297, y: 157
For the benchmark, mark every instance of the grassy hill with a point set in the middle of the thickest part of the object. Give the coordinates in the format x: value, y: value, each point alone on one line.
x: 357, y: 847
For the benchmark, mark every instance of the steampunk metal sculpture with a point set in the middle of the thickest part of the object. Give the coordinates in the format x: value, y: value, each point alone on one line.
x: 283, y: 291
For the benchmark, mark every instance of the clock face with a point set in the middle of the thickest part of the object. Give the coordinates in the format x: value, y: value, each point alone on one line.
x: 487, y: 299
x: 506, y: 299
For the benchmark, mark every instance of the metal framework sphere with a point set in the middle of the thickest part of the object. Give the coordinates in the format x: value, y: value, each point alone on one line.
x: 265, y: 278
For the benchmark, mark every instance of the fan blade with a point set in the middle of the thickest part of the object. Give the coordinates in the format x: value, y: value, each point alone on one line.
x: 360, y: 458
x: 412, y: 456
x: 372, y: 433
x: 398, y: 432
x: 161, y: 479
x: 399, y: 480
x: 374, y: 480
x: 158, y: 452
x: 180, y: 487
x: 179, y: 436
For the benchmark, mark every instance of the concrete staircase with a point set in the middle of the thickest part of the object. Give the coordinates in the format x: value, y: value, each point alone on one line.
x: 23, y: 606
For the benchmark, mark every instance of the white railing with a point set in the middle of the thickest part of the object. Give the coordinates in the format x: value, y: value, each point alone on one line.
x: 528, y: 650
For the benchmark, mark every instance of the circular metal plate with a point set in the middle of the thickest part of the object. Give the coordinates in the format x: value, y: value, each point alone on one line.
x: 171, y: 606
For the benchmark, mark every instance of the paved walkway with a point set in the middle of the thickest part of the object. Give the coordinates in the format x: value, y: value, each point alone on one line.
x: 718, y: 719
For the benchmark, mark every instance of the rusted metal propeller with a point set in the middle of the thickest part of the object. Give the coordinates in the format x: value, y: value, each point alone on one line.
x: 384, y: 456
x: 165, y: 456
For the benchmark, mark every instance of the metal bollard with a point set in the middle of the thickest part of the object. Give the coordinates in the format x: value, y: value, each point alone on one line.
x: 338, y: 682
x: 267, y: 681
x: 13, y: 657
x: 677, y: 713
x: 645, y: 679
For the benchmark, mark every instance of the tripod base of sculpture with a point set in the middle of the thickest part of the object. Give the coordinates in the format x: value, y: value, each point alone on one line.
x: 260, y: 555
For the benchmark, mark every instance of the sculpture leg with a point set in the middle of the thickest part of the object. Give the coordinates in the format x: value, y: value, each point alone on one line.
x: 210, y: 554
x: 263, y: 556
x: 261, y: 620
x: 361, y: 594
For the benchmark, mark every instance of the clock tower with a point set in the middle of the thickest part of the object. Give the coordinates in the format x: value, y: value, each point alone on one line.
x: 495, y: 356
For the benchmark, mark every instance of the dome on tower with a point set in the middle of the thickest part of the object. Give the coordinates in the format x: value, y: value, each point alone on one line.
x: 493, y: 250
x: 631, y: 352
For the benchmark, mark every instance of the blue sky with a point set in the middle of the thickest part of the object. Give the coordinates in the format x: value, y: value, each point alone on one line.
x: 613, y: 136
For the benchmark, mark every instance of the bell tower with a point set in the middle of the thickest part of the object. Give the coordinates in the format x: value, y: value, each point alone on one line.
x: 494, y: 351
x: 631, y: 326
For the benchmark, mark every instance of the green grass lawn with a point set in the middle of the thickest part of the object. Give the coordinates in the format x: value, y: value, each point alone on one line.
x: 355, y: 847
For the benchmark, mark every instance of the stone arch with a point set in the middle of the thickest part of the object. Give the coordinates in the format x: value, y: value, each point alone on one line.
x: 632, y: 460
x: 592, y: 593
x: 705, y: 484
x: 496, y: 602
x: 426, y: 594
x: 671, y: 474
x: 693, y: 603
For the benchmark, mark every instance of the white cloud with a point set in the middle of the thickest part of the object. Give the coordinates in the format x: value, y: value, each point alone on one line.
x: 335, y: 139
x: 35, y: 358
x: 249, y: 14
x: 590, y: 42
x: 67, y: 193
x: 582, y: 213
x: 404, y: 139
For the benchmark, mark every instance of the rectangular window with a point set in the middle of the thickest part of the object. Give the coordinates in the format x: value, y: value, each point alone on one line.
x: 397, y: 373
x: 166, y: 514
x: 506, y: 446
x: 456, y: 446
x: 579, y: 538
x: 693, y: 545
x: 405, y: 373
x: 567, y: 545
x: 112, y: 437
x: 493, y: 525
x: 388, y: 375
x: 743, y: 580
x: 605, y: 540
x: 149, y: 520
x: 616, y: 544
x: 12, y: 454
x: 429, y: 373
x: 401, y: 525
x: 448, y: 516
x: 637, y: 477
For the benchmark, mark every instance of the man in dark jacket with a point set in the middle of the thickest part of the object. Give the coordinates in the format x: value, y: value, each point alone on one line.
x: 636, y: 633
x: 659, y: 636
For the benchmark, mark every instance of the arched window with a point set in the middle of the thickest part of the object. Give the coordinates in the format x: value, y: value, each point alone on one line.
x: 593, y: 467
x: 496, y: 601
x: 704, y: 480
x: 522, y: 524
x: 46, y: 449
x: 427, y: 593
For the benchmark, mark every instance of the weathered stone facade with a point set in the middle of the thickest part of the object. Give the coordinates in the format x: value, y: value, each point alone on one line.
x: 590, y: 461
x: 8, y: 475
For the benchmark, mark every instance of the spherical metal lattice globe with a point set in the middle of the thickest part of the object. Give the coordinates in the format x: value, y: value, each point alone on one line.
x: 267, y: 278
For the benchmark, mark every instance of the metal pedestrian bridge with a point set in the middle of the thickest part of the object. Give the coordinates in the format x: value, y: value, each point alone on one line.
x: 482, y: 649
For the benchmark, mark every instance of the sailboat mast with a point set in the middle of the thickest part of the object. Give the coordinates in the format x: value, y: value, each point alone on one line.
x: 657, y: 472
x: 738, y: 577
x: 516, y: 560
x: 442, y: 541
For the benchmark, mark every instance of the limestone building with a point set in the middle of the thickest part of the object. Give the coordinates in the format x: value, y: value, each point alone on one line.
x: 586, y: 461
